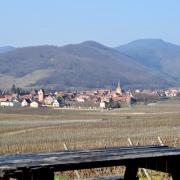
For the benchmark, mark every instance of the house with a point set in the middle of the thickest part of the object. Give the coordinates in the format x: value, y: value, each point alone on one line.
x: 25, y: 102
x: 103, y: 104
x: 5, y: 98
x: 80, y: 99
x: 6, y: 104
x: 113, y: 104
x: 16, y: 102
x: 34, y: 104
x: 58, y: 102
x: 26, y: 96
x: 48, y: 100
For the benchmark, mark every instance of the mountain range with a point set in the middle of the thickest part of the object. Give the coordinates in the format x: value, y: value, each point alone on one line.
x: 6, y: 49
x: 143, y: 63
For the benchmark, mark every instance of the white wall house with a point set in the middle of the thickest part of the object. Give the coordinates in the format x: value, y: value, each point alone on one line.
x: 80, y: 99
x: 7, y: 104
x: 103, y: 104
x: 56, y: 103
x: 25, y: 103
x: 34, y: 104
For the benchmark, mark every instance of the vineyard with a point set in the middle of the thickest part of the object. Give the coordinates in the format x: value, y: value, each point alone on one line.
x: 46, y: 129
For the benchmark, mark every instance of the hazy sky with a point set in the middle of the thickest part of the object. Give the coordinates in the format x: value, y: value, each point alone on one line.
x: 111, y: 22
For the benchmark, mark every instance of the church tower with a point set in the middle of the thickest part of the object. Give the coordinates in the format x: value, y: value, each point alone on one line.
x: 41, y: 95
x: 119, y: 89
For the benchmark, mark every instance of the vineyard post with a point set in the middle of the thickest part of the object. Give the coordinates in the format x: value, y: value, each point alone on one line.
x: 76, y: 172
x: 144, y: 170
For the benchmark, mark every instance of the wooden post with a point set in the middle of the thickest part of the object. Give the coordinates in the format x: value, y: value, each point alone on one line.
x: 25, y: 176
x: 75, y: 171
x: 175, y: 173
x: 44, y: 175
x: 41, y: 174
x: 144, y: 170
x: 160, y: 141
x: 131, y: 172
x: 174, y: 168
x: 130, y: 142
x: 4, y: 178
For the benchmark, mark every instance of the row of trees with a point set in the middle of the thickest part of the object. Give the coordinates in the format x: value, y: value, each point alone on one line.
x: 14, y: 90
x: 17, y: 90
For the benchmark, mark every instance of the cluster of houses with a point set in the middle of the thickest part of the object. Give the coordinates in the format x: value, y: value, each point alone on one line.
x: 34, y: 99
x: 103, y: 98
x: 172, y: 92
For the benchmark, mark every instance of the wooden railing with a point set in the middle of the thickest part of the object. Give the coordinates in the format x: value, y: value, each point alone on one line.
x: 41, y: 166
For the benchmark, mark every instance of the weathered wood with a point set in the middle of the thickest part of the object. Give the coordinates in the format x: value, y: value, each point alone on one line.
x: 150, y: 157
x: 143, y: 169
x: 4, y: 178
x: 174, y: 169
x: 175, y: 174
x: 131, y: 172
x: 41, y: 174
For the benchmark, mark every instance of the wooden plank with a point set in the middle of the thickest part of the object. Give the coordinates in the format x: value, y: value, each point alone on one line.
x: 69, y: 160
x: 62, y: 155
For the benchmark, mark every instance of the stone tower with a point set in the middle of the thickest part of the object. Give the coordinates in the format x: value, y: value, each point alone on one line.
x: 41, y: 95
x: 119, y: 89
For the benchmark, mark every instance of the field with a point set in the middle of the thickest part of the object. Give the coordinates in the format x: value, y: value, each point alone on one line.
x: 46, y: 129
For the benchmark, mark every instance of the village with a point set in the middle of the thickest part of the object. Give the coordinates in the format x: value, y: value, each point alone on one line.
x: 100, y: 98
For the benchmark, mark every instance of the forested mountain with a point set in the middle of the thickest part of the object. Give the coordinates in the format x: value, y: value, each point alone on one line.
x: 90, y: 65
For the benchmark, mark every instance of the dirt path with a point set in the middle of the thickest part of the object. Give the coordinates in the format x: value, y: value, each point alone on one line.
x: 49, y: 125
x: 26, y: 130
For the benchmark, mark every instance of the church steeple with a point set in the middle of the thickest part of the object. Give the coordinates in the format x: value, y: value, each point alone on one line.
x: 119, y: 89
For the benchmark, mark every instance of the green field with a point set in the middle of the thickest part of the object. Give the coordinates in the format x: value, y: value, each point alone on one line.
x: 46, y: 129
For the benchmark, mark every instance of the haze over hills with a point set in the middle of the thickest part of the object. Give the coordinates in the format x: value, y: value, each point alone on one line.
x: 155, y: 54
x: 6, y: 49
x: 142, y: 63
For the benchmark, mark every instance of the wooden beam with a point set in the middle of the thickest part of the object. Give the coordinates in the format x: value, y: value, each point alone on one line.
x: 174, y: 169
x: 175, y: 175
x: 40, y: 174
x: 150, y: 157
x: 45, y: 175
x: 131, y: 172
x: 4, y: 178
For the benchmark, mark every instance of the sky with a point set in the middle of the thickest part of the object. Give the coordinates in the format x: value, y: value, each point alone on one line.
x: 110, y: 22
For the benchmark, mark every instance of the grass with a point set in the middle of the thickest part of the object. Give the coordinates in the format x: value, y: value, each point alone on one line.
x: 60, y: 178
x: 45, y: 129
